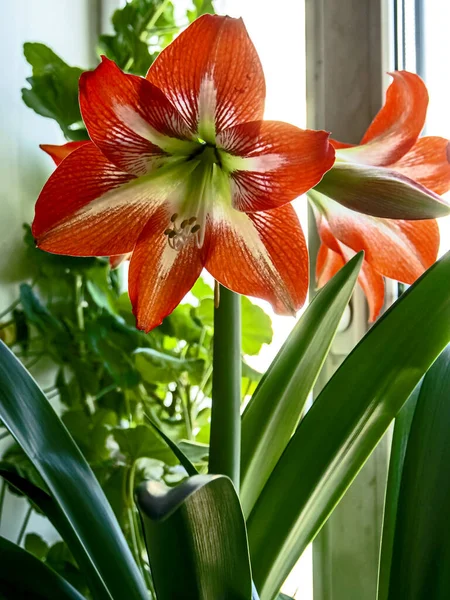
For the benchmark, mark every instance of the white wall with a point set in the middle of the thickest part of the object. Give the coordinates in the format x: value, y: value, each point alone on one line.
x: 68, y: 27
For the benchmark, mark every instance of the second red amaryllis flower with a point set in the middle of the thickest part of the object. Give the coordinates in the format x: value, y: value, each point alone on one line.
x: 183, y: 172
x: 392, y: 174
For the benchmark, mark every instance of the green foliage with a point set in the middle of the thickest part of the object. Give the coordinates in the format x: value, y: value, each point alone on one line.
x: 53, y: 91
x: 344, y: 425
x: 142, y: 28
x: 196, y: 539
x: 201, y: 7
x: 421, y: 545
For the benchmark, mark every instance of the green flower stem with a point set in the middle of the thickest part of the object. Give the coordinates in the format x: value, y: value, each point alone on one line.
x: 88, y: 404
x: 186, y: 406
x: 225, y: 441
x: 158, y: 12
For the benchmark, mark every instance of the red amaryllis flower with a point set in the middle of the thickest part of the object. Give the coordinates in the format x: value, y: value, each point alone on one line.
x: 183, y: 172
x: 391, y: 174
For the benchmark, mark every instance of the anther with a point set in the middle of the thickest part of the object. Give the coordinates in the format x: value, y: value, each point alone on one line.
x: 192, y: 220
x: 172, y: 234
x: 184, y: 223
x: 195, y: 228
x: 168, y: 231
x: 174, y: 217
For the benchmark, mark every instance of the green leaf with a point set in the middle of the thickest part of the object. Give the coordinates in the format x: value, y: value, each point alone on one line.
x: 421, y: 550
x: 201, y: 7
x: 250, y: 379
x: 178, y: 452
x: 202, y: 290
x: 36, y: 312
x: 196, y: 531
x: 100, y: 289
x: 142, y: 441
x: 110, y: 346
x: 134, y: 25
x: 53, y: 91
x: 276, y: 407
x: 45, y: 504
x: 156, y: 366
x: 25, y: 576
x: 43, y: 437
x: 256, y: 324
x: 396, y: 460
x: 35, y: 545
x: 256, y: 327
x: 181, y: 324
x: 195, y: 451
x: 344, y: 425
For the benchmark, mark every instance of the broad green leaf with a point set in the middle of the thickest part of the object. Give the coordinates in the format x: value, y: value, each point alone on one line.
x: 53, y: 91
x: 344, y: 425
x: 100, y: 289
x: 156, y: 366
x: 24, y: 576
x: 134, y: 25
x: 142, y: 441
x: 396, y: 460
x: 202, y: 290
x: 196, y: 539
x: 256, y: 324
x: 276, y: 407
x: 35, y: 545
x: 421, y: 550
x: 182, y: 325
x: 43, y: 437
x: 104, y: 342
x: 256, y: 327
x: 201, y: 7
x: 195, y: 452
x: 45, y: 504
x: 250, y: 379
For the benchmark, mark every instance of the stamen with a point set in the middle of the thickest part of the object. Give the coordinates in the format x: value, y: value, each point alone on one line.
x: 178, y: 237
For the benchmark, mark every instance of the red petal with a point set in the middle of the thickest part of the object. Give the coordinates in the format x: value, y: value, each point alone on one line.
x: 340, y: 145
x: 273, y: 163
x: 372, y: 284
x: 116, y: 260
x: 160, y: 277
x: 401, y: 250
x: 428, y: 162
x: 329, y: 262
x: 397, y: 126
x: 59, y: 153
x: 327, y: 265
x: 128, y: 118
x: 216, y: 48
x: 262, y: 255
x: 89, y: 208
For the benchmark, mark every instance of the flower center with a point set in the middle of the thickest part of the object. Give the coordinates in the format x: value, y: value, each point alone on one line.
x: 178, y: 236
x: 203, y: 187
